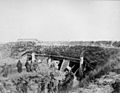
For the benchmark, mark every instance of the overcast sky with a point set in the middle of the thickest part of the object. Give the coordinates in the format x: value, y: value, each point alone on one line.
x: 51, y: 20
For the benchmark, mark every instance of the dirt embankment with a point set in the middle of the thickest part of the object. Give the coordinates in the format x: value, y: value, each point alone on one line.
x: 105, y: 59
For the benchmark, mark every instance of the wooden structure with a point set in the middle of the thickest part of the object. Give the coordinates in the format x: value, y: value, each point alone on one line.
x: 63, y: 60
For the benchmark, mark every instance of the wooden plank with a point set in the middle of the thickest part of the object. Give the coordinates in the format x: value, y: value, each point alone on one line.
x: 61, y: 57
x: 55, y: 56
x: 64, y: 64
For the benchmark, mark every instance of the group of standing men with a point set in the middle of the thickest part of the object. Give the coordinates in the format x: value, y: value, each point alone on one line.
x: 6, y: 69
x: 29, y: 65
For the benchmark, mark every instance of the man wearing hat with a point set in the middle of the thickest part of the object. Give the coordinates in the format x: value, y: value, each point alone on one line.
x: 68, y: 72
x: 68, y: 81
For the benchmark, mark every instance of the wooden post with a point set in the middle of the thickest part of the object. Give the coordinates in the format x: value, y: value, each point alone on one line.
x: 81, y: 67
x: 33, y: 56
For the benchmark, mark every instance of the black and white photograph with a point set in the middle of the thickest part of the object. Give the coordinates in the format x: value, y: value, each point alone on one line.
x: 59, y: 46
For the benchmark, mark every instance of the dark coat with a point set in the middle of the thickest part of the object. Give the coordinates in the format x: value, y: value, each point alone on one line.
x: 28, y: 66
x: 19, y: 66
x: 68, y: 81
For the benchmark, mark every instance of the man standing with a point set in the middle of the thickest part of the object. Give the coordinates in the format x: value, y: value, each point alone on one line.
x: 42, y: 86
x: 28, y: 66
x: 19, y: 66
x: 68, y: 81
